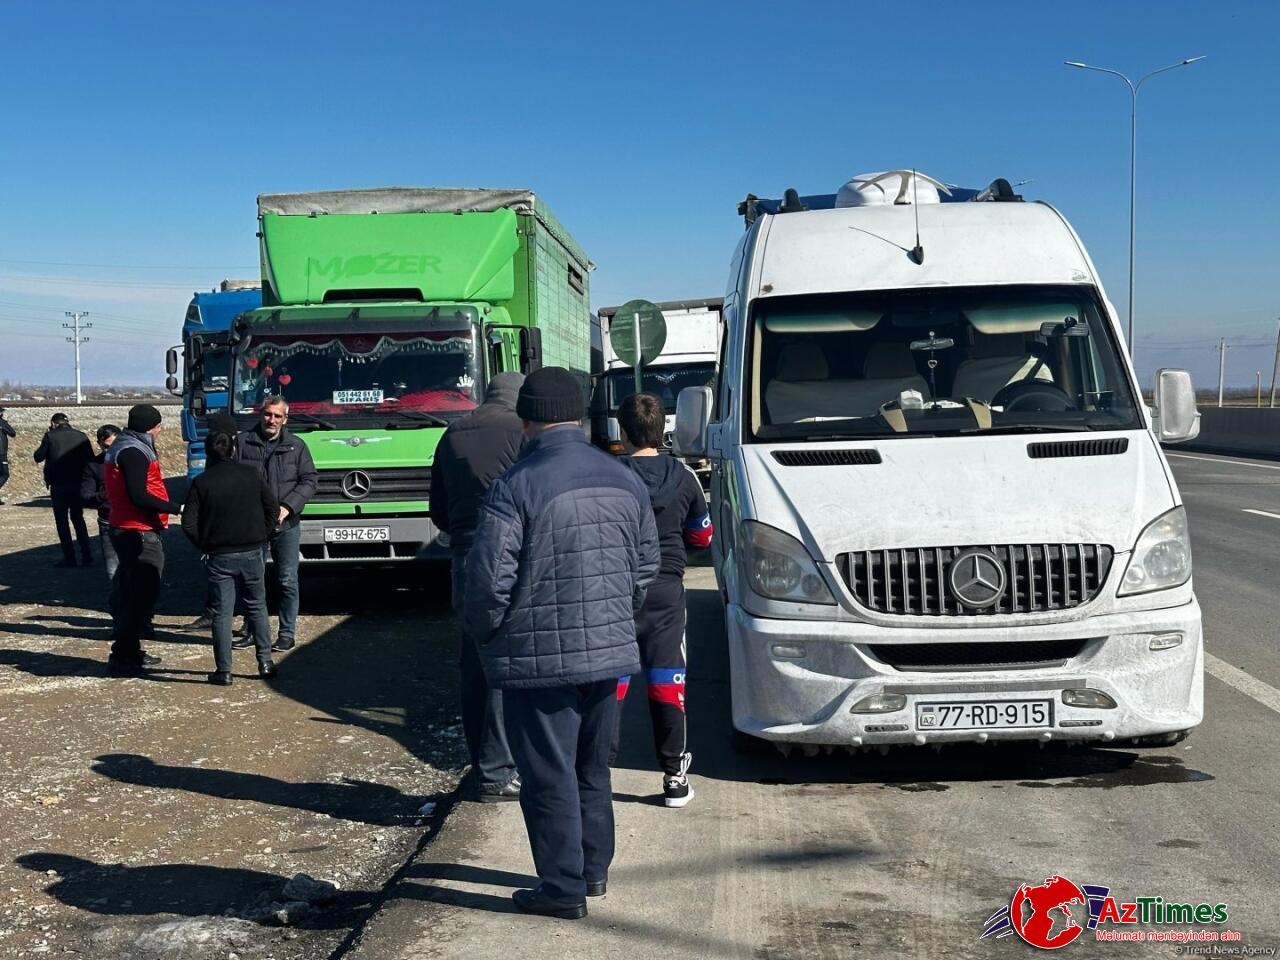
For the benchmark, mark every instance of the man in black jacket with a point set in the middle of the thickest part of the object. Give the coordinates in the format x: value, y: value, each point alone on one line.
x: 229, y: 515
x: 6, y: 432
x: 64, y: 451
x: 474, y: 452
x: 285, y: 463
x: 93, y: 494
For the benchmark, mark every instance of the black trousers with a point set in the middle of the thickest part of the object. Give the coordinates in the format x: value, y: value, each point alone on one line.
x: 660, y: 634
x: 68, y: 512
x: 560, y: 739
x: 141, y: 555
x: 4, y: 472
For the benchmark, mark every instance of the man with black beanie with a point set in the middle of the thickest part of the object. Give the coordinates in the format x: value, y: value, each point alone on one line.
x: 64, y: 451
x: 564, y: 550
x: 138, y: 505
x: 475, y: 451
x: 6, y: 432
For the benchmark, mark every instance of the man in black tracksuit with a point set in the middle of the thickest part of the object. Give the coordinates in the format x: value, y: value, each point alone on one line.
x: 6, y: 432
x: 475, y: 451
x: 93, y: 494
x: 229, y: 515
x: 680, y: 510
x: 64, y: 451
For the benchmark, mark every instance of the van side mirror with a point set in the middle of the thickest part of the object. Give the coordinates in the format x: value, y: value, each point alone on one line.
x: 1175, y: 417
x: 693, y: 413
x: 171, y: 362
x: 530, y: 349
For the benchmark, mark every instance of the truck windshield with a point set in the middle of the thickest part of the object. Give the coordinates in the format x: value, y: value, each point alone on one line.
x: 666, y: 382
x: 378, y: 369
x: 956, y: 360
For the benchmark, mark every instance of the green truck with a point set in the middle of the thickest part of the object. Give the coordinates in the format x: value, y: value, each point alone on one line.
x: 384, y: 314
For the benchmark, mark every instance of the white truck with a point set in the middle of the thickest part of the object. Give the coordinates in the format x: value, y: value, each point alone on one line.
x: 941, y: 505
x: 687, y: 359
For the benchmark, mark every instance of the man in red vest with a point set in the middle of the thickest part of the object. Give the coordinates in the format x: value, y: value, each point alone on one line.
x: 139, y: 512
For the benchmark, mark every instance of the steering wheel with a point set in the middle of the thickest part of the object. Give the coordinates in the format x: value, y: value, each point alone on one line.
x: 1033, y: 395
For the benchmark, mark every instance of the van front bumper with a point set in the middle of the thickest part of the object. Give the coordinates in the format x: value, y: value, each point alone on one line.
x: 799, y: 681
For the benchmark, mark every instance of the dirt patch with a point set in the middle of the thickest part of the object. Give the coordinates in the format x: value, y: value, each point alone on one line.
x: 161, y: 816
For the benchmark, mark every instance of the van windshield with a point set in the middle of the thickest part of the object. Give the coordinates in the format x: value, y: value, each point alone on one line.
x: 949, y: 361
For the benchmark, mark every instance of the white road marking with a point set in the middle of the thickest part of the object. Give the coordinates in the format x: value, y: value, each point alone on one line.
x: 1225, y: 461
x: 1263, y: 513
x: 1251, y: 686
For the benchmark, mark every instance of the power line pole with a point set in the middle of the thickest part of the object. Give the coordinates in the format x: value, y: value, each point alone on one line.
x: 77, y: 338
x: 1275, y: 363
x: 1222, y: 366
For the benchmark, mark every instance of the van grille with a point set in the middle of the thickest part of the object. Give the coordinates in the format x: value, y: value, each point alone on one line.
x: 914, y: 582
x: 1047, y: 450
x: 385, y: 483
x: 1000, y: 655
x: 827, y: 458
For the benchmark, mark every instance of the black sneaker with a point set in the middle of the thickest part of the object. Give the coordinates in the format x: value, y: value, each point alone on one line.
x: 535, y: 901
x: 220, y: 679
x: 499, y: 792
x: 280, y: 646
x: 150, y: 659
x: 124, y: 666
x: 676, y: 789
x: 199, y: 623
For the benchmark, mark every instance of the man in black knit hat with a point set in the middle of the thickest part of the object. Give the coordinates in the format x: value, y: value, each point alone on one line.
x: 565, y: 547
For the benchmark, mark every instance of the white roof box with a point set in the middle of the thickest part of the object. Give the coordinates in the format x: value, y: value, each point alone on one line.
x: 889, y: 187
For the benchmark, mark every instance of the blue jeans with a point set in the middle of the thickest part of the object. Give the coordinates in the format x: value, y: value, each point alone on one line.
x: 232, y: 574
x: 284, y: 547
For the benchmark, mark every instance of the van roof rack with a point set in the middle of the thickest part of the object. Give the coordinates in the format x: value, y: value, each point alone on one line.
x: 998, y: 191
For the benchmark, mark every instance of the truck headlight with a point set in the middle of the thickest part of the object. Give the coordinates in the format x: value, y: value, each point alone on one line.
x: 780, y: 568
x: 1161, y: 557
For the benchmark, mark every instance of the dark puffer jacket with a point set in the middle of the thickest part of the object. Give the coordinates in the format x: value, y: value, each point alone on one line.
x: 287, y: 467
x: 564, y: 551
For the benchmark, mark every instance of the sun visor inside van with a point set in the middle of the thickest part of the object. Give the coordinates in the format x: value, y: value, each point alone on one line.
x: 1020, y: 317
x: 847, y: 321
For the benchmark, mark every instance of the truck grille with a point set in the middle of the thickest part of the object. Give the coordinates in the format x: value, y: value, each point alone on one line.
x: 384, y: 483
x: 914, y: 581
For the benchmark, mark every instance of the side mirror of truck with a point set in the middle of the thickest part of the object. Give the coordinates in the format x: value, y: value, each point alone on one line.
x: 530, y: 349
x: 199, y: 406
x: 171, y: 383
x: 171, y: 362
x: 693, y: 413
x: 1174, y: 416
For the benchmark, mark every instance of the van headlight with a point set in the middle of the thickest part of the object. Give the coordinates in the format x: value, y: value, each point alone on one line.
x: 780, y: 568
x: 1161, y: 557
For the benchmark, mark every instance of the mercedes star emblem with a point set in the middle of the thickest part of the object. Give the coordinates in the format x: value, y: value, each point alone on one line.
x: 356, y: 485
x: 977, y: 578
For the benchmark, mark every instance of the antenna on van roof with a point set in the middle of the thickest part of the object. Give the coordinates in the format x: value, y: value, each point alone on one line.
x: 917, y: 252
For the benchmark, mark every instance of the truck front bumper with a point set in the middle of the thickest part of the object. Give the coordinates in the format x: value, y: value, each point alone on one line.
x: 808, y: 681
x: 410, y: 538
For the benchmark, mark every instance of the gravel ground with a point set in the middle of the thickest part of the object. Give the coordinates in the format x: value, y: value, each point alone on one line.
x: 163, y: 817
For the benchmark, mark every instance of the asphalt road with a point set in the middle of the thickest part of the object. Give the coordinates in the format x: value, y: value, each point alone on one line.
x: 908, y: 854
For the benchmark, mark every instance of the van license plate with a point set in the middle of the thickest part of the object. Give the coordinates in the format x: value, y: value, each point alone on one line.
x: 984, y: 714
x: 356, y: 534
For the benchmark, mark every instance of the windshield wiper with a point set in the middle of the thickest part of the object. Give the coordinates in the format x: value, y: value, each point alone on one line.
x: 419, y: 416
x: 311, y: 420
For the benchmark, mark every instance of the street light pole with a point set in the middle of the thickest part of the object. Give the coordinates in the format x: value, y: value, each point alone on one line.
x: 1133, y: 155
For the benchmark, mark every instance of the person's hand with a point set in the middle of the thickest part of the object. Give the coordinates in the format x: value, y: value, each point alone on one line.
x: 282, y: 516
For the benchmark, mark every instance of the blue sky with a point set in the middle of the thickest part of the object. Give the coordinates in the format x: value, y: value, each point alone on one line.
x: 138, y: 135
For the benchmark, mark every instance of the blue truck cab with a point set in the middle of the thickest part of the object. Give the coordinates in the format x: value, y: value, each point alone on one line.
x: 206, y: 358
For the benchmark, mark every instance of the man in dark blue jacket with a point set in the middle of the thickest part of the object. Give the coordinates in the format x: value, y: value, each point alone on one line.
x: 563, y: 553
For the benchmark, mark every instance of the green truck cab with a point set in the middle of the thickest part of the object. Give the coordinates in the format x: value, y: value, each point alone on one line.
x: 385, y: 312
